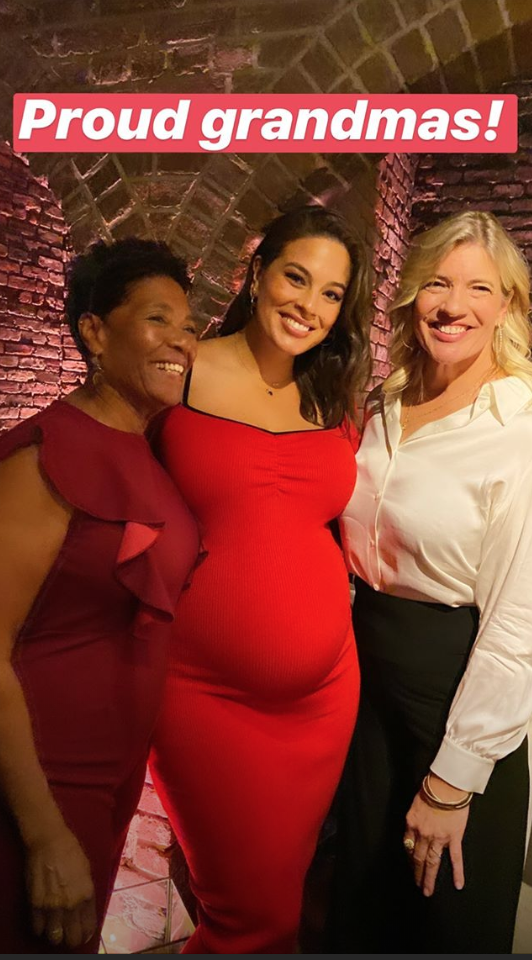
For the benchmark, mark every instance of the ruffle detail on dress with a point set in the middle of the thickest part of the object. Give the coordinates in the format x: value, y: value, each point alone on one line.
x: 137, y: 570
x: 112, y: 476
x: 137, y: 538
x: 201, y: 557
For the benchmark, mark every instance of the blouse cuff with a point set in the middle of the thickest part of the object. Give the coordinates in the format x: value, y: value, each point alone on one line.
x: 461, y: 768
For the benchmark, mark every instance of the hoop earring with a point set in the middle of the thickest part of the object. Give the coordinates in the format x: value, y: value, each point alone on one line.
x: 498, y: 341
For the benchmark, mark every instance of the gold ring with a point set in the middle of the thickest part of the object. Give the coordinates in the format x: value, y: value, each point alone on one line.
x: 408, y: 844
x: 56, y: 935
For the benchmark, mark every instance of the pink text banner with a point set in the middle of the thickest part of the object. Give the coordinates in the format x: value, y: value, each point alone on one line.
x: 250, y: 123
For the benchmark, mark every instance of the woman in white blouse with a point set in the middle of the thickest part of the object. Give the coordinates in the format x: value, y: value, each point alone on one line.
x: 433, y: 809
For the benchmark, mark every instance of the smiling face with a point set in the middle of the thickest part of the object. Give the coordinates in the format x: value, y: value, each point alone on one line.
x: 146, y: 345
x: 456, y: 312
x: 299, y: 295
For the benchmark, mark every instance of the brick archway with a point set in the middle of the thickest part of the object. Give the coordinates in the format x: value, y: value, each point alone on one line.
x: 209, y: 207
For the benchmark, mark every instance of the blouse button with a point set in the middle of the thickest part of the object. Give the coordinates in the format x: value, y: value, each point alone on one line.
x: 377, y: 496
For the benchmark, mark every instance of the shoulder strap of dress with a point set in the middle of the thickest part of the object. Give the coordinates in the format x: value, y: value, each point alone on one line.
x: 186, y: 388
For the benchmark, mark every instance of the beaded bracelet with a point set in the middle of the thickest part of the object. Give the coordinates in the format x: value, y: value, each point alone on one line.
x: 428, y: 795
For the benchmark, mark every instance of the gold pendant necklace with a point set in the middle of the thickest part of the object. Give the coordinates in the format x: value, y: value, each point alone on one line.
x: 270, y: 386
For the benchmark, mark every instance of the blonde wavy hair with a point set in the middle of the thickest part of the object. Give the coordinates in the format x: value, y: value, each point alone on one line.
x: 512, y: 352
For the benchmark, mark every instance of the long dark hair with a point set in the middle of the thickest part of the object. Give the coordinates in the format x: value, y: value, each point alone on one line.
x: 330, y: 375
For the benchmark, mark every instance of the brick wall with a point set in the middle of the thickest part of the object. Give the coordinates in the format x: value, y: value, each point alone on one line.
x: 498, y: 183
x: 395, y: 186
x: 33, y: 252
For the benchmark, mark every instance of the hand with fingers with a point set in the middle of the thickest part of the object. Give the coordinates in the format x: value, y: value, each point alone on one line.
x: 60, y: 890
x: 433, y: 825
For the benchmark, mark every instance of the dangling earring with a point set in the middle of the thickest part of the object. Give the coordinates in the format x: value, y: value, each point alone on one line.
x: 407, y: 346
x: 498, y: 341
x: 252, y: 300
x: 96, y: 371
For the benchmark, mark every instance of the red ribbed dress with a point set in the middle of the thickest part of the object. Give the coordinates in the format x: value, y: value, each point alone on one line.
x: 91, y: 656
x: 262, y: 690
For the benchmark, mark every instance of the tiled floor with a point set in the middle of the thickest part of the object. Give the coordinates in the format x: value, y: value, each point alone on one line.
x: 120, y: 928
x: 145, y: 916
x: 119, y: 931
x: 149, y: 917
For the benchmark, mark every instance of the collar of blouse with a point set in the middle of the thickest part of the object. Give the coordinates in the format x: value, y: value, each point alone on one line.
x: 504, y: 398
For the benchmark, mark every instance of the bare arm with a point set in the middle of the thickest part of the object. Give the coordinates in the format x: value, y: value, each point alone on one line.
x: 33, y: 525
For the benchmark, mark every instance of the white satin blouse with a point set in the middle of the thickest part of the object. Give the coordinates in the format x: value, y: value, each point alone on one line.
x: 446, y: 516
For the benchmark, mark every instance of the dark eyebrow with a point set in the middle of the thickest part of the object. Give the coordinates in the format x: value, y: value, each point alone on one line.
x: 333, y: 283
x: 165, y: 307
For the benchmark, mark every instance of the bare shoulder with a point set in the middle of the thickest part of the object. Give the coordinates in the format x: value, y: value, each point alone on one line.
x: 20, y: 477
x: 214, y: 375
x: 216, y: 353
x: 25, y: 493
x: 34, y: 521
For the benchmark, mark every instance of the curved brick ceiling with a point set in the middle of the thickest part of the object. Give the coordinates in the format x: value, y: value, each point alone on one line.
x: 209, y: 207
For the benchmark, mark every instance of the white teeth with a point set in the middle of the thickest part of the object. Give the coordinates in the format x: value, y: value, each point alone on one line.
x: 296, y: 325
x: 452, y: 329
x: 173, y: 367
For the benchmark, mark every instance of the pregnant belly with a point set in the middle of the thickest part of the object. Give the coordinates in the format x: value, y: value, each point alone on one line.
x: 270, y: 623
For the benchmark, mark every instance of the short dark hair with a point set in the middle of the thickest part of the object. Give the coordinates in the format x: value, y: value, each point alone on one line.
x: 100, y: 280
x: 330, y: 375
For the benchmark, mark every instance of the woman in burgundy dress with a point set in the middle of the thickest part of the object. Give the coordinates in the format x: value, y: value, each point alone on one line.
x: 262, y: 690
x: 96, y: 546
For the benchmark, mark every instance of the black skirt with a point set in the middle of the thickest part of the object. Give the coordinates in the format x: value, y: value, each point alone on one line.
x: 412, y: 657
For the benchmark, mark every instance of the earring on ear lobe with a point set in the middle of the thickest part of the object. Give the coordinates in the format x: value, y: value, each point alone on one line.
x: 96, y: 371
x: 407, y: 346
x: 498, y: 341
x: 252, y: 299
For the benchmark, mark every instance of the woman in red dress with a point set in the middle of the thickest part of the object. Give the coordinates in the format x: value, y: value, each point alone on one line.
x: 261, y: 695
x: 96, y: 545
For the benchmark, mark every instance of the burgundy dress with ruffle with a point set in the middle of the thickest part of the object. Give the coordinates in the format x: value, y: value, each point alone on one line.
x: 91, y: 656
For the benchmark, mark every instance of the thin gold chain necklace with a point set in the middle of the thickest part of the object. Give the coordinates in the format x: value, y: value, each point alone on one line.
x: 472, y: 391
x: 269, y: 386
